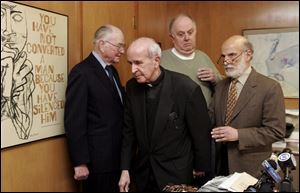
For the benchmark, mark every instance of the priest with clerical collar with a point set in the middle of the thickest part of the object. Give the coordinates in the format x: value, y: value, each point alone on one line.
x: 166, y: 130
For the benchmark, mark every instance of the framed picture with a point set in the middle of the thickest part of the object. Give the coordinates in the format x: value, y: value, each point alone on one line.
x: 276, y: 55
x: 34, y: 67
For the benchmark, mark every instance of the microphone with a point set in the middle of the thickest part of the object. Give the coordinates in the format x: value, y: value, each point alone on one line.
x: 270, y: 166
x: 268, y: 178
x: 287, y: 162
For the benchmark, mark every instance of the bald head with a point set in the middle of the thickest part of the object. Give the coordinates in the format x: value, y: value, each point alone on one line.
x: 145, y: 45
x: 106, y: 31
x: 182, y: 31
x: 239, y: 42
x: 179, y: 20
x: 109, y: 43
x: 237, y: 53
x: 144, y: 55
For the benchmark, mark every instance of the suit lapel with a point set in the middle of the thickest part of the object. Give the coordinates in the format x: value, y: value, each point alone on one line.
x: 247, y: 93
x: 103, y: 77
x: 164, y: 107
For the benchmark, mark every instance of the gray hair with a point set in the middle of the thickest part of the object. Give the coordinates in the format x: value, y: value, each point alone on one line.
x: 154, y: 50
x: 248, y: 46
x: 150, y: 45
x: 102, y: 32
x: 178, y: 16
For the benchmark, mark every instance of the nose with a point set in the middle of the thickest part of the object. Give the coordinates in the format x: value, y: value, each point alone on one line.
x: 122, y: 51
x: 186, y: 37
x: 8, y: 29
x: 8, y: 21
x: 133, y: 68
x: 225, y: 62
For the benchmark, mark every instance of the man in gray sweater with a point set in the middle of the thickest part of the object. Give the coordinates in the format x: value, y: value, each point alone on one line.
x: 185, y: 59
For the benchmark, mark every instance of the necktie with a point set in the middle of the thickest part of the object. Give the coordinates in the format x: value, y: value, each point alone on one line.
x: 110, y: 74
x: 231, y: 101
x: 111, y: 77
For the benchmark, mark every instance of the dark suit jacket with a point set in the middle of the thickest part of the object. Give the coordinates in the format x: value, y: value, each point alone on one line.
x: 181, y: 134
x: 259, y: 116
x: 93, y: 117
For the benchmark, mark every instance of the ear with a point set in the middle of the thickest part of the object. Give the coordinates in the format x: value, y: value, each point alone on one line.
x: 171, y: 36
x: 249, y: 54
x: 100, y: 45
x: 157, y: 61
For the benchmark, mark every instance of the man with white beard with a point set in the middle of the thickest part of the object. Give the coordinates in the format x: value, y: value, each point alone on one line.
x: 247, y: 111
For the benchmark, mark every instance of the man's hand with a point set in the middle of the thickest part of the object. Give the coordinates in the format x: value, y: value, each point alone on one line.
x: 81, y: 172
x: 22, y: 68
x: 226, y: 133
x: 206, y: 74
x: 7, y: 67
x: 124, y: 181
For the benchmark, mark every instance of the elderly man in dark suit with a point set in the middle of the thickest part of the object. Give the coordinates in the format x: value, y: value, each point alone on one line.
x: 247, y: 110
x: 94, y: 113
x: 166, y: 118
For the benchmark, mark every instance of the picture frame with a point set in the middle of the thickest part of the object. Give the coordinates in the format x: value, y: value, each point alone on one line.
x: 276, y: 55
x: 34, y: 69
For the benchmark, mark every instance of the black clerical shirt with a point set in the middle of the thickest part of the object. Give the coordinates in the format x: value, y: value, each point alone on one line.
x: 153, y: 92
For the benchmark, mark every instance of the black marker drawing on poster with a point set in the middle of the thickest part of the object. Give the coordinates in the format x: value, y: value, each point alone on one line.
x: 17, y: 83
x: 34, y: 67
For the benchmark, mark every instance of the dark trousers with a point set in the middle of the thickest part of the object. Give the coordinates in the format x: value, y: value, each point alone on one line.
x: 102, y: 182
x: 151, y: 184
x: 221, y: 160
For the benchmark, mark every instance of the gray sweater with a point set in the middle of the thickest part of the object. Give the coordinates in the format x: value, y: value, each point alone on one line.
x: 190, y: 67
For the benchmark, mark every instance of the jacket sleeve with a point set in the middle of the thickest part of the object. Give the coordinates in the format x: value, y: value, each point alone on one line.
x: 75, y: 118
x: 128, y: 136
x: 272, y: 128
x: 199, y: 125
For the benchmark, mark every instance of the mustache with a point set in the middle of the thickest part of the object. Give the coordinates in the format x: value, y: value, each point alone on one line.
x: 229, y: 66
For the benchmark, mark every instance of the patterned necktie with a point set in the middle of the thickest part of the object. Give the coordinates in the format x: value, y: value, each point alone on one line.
x: 231, y: 101
x: 110, y: 74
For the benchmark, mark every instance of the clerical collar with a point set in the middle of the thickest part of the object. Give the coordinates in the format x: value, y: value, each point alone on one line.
x: 182, y: 57
x: 158, y: 80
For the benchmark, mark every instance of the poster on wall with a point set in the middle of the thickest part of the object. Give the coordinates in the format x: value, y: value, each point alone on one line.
x: 34, y: 67
x: 276, y: 55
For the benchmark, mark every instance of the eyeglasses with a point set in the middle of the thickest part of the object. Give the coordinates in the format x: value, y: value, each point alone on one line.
x: 121, y: 47
x: 231, y: 57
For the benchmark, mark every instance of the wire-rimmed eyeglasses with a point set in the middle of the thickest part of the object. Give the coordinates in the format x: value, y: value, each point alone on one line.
x: 119, y: 46
x: 232, y: 57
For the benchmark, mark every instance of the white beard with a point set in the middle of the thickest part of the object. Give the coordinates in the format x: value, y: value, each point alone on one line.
x: 235, y: 71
